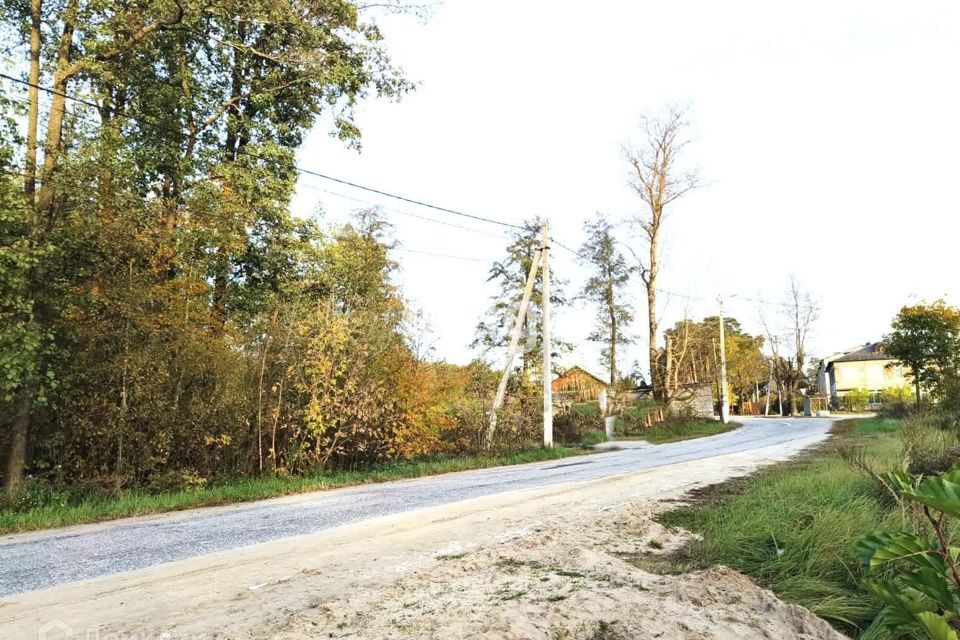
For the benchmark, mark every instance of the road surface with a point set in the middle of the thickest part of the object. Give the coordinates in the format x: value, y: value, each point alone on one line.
x: 34, y: 561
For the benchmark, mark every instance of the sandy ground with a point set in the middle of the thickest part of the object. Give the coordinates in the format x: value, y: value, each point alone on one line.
x: 544, y: 563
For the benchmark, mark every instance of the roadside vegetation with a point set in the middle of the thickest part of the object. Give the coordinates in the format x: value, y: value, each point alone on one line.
x: 41, y: 508
x: 630, y: 424
x: 676, y: 429
x: 794, y: 527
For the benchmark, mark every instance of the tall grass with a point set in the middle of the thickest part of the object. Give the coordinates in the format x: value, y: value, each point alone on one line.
x: 137, y: 502
x: 793, y: 526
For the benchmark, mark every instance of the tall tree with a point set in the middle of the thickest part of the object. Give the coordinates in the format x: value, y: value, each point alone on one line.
x: 605, y: 288
x: 926, y: 338
x: 510, y: 275
x: 658, y: 177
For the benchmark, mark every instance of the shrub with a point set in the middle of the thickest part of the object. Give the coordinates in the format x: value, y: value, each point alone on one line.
x: 573, y: 427
x: 176, y: 480
x: 35, y: 493
x: 929, y: 446
x: 899, y: 395
x: 856, y: 399
x: 920, y: 586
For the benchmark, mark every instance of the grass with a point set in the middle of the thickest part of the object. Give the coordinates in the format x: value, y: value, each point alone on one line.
x: 137, y: 502
x: 589, y: 409
x: 674, y: 431
x: 793, y: 526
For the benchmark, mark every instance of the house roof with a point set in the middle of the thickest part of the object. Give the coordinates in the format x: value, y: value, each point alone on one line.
x: 585, y: 372
x: 869, y: 351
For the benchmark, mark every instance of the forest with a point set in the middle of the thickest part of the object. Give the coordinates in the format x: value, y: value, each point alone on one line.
x: 164, y: 318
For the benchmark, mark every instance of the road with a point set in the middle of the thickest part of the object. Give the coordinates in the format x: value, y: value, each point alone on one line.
x: 35, y: 561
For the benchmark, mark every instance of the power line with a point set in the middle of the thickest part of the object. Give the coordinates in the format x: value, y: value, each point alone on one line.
x: 402, y: 212
x: 442, y: 255
x: 381, y: 192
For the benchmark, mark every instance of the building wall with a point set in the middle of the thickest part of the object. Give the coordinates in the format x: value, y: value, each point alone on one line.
x: 872, y: 375
x: 581, y: 386
x: 695, y: 400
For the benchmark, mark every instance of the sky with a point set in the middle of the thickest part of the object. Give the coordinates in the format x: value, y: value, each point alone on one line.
x: 826, y: 134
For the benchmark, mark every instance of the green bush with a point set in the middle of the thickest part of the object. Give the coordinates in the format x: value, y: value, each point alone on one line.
x: 35, y: 493
x: 176, y: 480
x: 899, y: 395
x: 856, y: 399
x: 574, y: 427
x: 930, y: 445
x: 920, y: 582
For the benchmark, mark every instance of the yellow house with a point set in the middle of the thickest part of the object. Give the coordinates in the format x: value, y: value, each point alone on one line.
x: 866, y: 367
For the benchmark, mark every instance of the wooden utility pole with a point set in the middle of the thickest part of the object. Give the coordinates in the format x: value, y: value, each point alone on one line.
x: 724, y: 407
x: 512, y: 350
x: 547, y: 374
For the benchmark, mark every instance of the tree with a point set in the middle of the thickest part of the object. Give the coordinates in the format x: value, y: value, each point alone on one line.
x: 694, y: 349
x: 510, y: 275
x: 926, y: 338
x: 659, y: 179
x: 605, y: 289
x: 156, y: 205
x: 797, y: 315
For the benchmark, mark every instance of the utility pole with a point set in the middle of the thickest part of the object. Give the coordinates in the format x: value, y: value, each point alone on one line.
x: 724, y: 408
x: 766, y: 411
x: 776, y: 356
x: 547, y: 374
x: 512, y: 350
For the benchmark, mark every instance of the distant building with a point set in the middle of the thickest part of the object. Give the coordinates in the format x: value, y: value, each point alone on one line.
x: 865, y: 367
x: 579, y: 385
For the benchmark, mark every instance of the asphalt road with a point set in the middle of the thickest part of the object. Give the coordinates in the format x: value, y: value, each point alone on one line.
x: 39, y: 560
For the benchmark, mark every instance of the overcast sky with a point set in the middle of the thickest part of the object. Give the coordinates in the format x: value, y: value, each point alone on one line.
x: 827, y: 134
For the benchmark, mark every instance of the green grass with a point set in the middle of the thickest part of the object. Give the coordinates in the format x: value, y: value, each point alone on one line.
x: 136, y: 502
x: 592, y: 438
x: 793, y: 526
x: 641, y: 408
x: 674, y: 431
x: 589, y: 409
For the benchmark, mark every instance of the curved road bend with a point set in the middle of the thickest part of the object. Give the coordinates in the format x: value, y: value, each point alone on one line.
x: 34, y: 561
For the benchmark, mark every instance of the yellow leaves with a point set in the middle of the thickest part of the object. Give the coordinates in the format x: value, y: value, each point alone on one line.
x: 221, y: 440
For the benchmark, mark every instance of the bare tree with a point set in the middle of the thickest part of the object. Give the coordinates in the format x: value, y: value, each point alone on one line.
x: 798, y: 314
x: 658, y: 178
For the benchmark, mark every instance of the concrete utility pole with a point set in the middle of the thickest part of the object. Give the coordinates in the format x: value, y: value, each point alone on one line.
x: 547, y: 374
x: 724, y: 408
x: 766, y: 411
x: 512, y: 350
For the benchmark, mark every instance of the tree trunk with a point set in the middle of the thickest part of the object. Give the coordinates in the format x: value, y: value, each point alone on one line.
x: 17, y: 450
x: 656, y: 379
x: 58, y: 107
x: 613, y: 335
x: 33, y: 116
x: 916, y: 386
